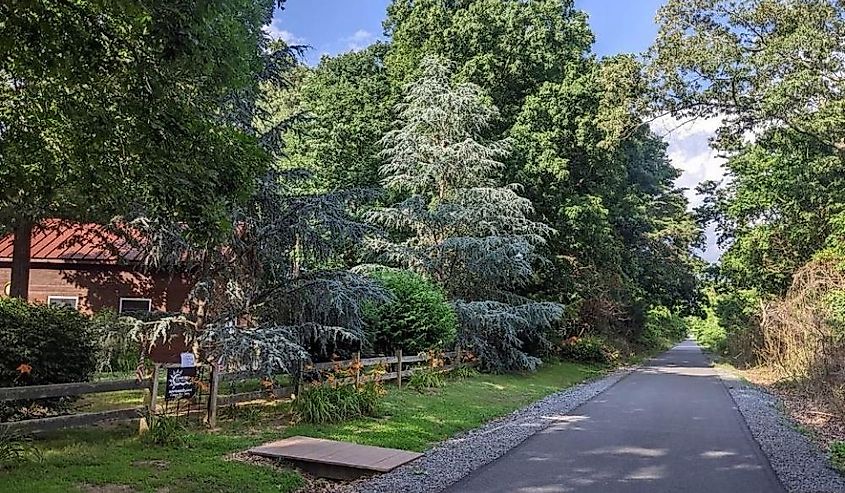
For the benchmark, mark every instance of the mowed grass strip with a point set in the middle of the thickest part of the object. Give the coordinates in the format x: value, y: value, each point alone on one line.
x: 94, y: 460
x: 414, y: 421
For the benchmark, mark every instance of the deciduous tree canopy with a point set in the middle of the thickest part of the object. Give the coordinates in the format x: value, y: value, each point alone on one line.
x: 131, y: 108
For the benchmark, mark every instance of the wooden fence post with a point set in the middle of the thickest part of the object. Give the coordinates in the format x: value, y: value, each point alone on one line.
x: 357, y: 364
x: 456, y: 362
x: 152, y: 395
x: 298, y: 384
x: 212, y: 395
x: 399, y: 368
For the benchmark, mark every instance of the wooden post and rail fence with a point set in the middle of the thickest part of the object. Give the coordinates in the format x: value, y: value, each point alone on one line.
x: 215, y: 400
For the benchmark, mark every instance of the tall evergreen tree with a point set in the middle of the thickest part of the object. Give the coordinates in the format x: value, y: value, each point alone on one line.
x: 461, y: 227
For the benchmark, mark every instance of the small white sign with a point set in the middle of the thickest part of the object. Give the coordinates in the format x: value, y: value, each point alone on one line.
x: 188, y: 360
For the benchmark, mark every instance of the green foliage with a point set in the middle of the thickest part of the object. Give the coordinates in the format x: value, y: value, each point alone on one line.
x: 417, y: 317
x: 729, y: 326
x: 507, y: 47
x: 708, y: 332
x: 426, y: 378
x: 161, y: 135
x: 780, y: 204
x: 167, y: 431
x: 349, y: 99
x: 43, y: 345
x: 836, y: 452
x: 462, y: 372
x: 370, y: 398
x: 756, y: 63
x: 737, y: 308
x: 834, y: 306
x: 592, y: 170
x: 662, y: 328
x: 460, y: 227
x: 330, y: 403
x: 738, y: 314
x: 577, y: 158
x: 119, y: 351
x: 16, y: 448
x: 588, y: 349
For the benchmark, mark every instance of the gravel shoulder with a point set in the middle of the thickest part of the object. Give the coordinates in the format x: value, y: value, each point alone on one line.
x: 455, y: 458
x: 800, y: 464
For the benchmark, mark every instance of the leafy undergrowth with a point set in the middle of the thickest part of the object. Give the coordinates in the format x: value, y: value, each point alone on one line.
x: 117, y: 460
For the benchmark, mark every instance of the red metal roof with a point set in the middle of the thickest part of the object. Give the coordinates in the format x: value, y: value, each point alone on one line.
x: 55, y: 240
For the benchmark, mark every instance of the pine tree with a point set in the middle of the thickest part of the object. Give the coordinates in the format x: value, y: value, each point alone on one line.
x: 461, y: 227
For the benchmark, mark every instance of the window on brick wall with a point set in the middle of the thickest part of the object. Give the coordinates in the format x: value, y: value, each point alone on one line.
x: 135, y: 305
x: 61, y: 300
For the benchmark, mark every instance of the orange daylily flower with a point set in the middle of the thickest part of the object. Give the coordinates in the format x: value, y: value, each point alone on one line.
x: 24, y: 369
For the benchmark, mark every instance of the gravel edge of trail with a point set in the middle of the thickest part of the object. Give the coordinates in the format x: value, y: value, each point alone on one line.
x: 799, y: 463
x: 455, y: 458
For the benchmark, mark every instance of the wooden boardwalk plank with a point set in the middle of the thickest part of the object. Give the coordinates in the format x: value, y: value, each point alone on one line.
x: 339, y: 454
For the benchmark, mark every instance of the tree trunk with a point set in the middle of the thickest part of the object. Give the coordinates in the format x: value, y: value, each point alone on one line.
x: 19, y: 287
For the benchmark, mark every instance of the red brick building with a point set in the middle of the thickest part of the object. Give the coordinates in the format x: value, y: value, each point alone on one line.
x: 90, y: 268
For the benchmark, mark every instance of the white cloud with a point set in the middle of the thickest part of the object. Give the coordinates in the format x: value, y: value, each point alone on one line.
x: 359, y: 40
x: 690, y: 151
x: 275, y: 30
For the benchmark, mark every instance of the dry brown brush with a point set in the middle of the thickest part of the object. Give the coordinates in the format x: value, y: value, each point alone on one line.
x: 801, y: 335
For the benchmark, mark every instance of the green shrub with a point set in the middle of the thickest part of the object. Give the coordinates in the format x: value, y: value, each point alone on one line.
x: 16, y: 448
x: 167, y: 431
x: 119, y: 351
x: 834, y: 304
x: 43, y: 345
x: 426, y: 378
x: 837, y: 455
x: 370, y: 399
x: 738, y: 314
x: 737, y: 309
x: 328, y: 403
x: 589, y: 349
x: 708, y: 333
x: 662, y: 328
x: 464, y: 371
x: 417, y: 318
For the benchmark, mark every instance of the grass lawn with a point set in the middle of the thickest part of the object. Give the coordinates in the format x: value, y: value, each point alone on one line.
x: 414, y: 421
x: 105, y: 459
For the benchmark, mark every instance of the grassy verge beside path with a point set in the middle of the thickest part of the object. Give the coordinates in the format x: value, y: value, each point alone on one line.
x: 116, y: 461
x: 414, y: 421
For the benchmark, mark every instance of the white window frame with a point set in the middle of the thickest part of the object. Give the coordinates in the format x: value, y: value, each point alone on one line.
x: 148, y: 300
x: 52, y: 297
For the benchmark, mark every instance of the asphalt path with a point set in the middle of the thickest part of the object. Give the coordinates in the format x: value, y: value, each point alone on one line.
x: 669, y: 426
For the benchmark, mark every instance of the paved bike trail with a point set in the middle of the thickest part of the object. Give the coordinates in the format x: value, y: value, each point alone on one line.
x: 669, y: 426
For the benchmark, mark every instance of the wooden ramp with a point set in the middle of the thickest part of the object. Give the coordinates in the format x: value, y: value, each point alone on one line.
x: 336, y: 460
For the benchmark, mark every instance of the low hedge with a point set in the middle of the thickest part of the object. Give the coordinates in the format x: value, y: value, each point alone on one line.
x: 43, y: 345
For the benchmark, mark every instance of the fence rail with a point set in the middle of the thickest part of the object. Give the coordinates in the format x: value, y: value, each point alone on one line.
x: 54, y: 423
x: 33, y: 392
x: 151, y: 386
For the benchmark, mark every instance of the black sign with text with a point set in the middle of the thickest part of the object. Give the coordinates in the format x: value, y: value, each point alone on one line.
x: 181, y: 383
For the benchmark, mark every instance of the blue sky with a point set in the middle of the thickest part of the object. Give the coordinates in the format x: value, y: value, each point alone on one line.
x: 620, y: 26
